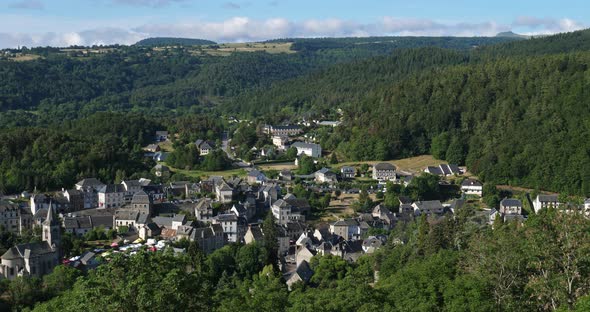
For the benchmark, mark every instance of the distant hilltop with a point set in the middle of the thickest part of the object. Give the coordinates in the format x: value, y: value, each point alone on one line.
x: 169, y: 41
x: 510, y: 34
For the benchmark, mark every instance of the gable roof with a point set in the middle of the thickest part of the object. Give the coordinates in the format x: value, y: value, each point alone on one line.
x: 510, y: 202
x: 434, y: 170
x: 471, y: 182
x: 304, y: 271
x: 28, y: 249
x: 384, y: 166
x: 548, y: 198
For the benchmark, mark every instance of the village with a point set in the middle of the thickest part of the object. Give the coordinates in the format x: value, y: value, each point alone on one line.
x: 346, y: 210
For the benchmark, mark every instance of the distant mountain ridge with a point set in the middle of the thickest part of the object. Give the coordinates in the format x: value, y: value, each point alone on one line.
x: 166, y: 41
x: 510, y: 34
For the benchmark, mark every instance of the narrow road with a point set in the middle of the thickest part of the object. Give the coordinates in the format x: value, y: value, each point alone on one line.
x: 225, y: 147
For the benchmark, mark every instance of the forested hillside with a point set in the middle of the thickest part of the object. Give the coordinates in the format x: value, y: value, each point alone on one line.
x: 513, y: 112
x: 167, y: 41
x: 517, y: 119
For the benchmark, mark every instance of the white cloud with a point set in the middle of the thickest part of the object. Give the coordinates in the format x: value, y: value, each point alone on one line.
x: 237, y: 29
x: 546, y: 25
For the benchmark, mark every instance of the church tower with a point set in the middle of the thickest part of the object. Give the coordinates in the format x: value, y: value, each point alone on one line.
x: 51, y: 229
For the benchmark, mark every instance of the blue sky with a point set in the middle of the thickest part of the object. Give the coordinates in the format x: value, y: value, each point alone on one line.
x: 63, y: 23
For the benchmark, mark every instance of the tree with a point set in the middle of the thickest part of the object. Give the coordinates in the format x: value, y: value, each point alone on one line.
x: 270, y: 241
x: 333, y: 159
x: 439, y: 145
x: 306, y: 165
x: 61, y: 279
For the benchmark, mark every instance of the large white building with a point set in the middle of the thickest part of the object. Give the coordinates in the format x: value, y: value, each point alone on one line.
x: 472, y: 187
x: 111, y: 196
x: 309, y: 149
x: 545, y: 201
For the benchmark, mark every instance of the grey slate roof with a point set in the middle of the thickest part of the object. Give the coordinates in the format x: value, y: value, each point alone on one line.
x: 548, y: 198
x: 511, y: 202
x: 141, y: 197
x: 471, y: 182
x: 384, y: 166
x: 90, y: 182
x: 112, y: 188
x: 19, y: 251
x: 304, y: 271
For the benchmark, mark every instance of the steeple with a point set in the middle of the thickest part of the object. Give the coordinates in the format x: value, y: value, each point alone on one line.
x: 51, y: 228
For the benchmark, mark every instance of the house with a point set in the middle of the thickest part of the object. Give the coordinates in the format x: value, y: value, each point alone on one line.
x: 161, y: 135
x: 309, y: 149
x: 347, y: 229
x: 89, y: 183
x: 126, y: 218
x: 428, y: 207
x: 205, y: 147
x: 253, y: 234
x: 77, y: 225
x: 106, y: 222
x: 61, y: 203
x: 385, y: 215
x: 472, y: 187
x: 303, y: 253
x: 269, y: 193
x: 13, y: 218
x: 153, y: 148
x: 223, y: 192
x: 173, y: 222
x: 244, y: 210
x: 234, y: 227
x: 204, y: 210
x: 111, y: 196
x: 149, y: 230
x: 510, y: 206
x: 255, y: 176
x: 545, y: 201
x: 90, y: 187
x: 75, y: 199
x: 209, y: 238
x: 302, y: 274
x: 294, y: 229
x: 298, y: 205
x: 384, y: 172
x: 161, y: 171
x: 443, y: 170
x: 289, y: 130
x: 324, y: 175
x: 371, y: 244
x: 143, y: 203
x: 285, y: 213
x: 347, y: 172
x: 280, y: 141
x: 131, y: 187
x: 37, y: 202
x: 34, y: 259
x: 286, y: 175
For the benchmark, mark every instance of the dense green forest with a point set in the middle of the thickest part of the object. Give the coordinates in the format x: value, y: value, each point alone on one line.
x: 514, y: 111
x: 104, y: 145
x: 518, y: 120
x: 453, y: 264
x: 167, y: 41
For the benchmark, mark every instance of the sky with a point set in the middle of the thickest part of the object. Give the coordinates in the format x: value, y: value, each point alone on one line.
x: 88, y: 22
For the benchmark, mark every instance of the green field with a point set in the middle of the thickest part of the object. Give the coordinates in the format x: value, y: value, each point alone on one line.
x: 204, y: 174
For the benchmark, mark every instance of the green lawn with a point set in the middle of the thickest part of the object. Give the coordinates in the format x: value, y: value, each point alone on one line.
x: 200, y: 174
